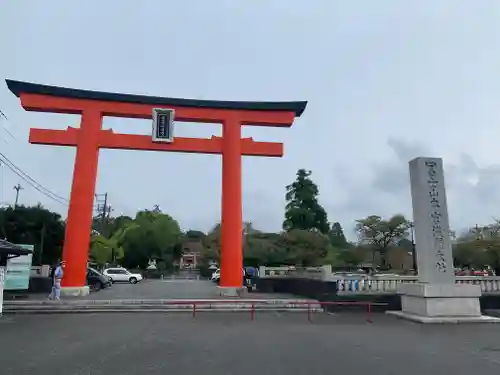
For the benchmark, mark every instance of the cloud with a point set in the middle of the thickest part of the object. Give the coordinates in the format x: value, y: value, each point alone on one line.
x: 472, y: 190
x: 384, y: 84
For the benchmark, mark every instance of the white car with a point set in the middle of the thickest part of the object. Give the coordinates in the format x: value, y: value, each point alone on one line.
x: 122, y: 275
x: 216, y: 275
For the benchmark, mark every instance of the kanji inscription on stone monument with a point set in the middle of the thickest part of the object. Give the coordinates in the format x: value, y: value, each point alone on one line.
x: 430, y: 216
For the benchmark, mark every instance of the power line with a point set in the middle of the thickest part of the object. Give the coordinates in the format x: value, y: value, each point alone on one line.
x: 30, y: 181
x: 36, y: 185
x: 9, y: 133
x: 4, y: 128
x: 25, y: 175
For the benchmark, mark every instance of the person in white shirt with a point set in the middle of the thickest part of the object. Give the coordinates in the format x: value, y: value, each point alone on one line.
x: 56, y: 282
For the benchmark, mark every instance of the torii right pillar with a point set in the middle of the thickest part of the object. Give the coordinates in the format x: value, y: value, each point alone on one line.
x: 231, y: 256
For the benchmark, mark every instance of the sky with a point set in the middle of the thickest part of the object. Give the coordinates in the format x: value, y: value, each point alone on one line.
x: 386, y: 81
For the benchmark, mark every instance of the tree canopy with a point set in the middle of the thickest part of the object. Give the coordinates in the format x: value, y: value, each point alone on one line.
x: 337, y: 237
x: 381, y: 234
x: 303, y: 210
x: 34, y: 225
x: 152, y: 235
x: 479, y: 247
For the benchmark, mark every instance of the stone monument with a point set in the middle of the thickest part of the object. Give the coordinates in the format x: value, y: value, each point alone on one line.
x: 435, y: 298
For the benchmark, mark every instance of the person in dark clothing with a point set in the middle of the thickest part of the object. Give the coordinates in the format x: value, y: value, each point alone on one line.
x: 52, y: 271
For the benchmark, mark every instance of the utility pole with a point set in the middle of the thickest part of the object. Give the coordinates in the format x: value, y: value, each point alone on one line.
x: 103, y: 217
x: 477, y: 232
x: 103, y: 212
x: 42, y: 240
x: 17, y: 188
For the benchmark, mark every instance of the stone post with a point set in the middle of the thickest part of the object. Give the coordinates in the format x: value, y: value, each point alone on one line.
x: 435, y: 298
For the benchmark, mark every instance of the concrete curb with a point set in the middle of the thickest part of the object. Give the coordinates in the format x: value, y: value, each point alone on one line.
x: 212, y: 301
x: 164, y: 306
x: 136, y: 311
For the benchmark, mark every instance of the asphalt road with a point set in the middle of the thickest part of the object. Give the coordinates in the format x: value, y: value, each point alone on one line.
x: 230, y: 343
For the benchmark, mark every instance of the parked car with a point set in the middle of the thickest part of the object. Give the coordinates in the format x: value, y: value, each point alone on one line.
x: 96, y: 280
x: 122, y: 275
x: 216, y: 275
x: 480, y: 273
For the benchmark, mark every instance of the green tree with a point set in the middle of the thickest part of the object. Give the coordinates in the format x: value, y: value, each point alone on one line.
x: 104, y: 250
x: 479, y: 247
x: 115, y: 224
x: 264, y: 249
x: 194, y: 235
x: 351, y: 257
x: 259, y: 248
x: 469, y: 254
x: 304, y: 247
x: 211, y: 246
x: 34, y: 225
x: 151, y: 235
x: 337, y: 237
x: 381, y: 234
x: 303, y: 210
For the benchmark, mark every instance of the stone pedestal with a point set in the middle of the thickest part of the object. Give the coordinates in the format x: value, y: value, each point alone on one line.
x: 232, y: 292
x: 75, y: 291
x: 441, y: 303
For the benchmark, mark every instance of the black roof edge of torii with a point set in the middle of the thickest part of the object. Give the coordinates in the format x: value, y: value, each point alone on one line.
x: 18, y: 87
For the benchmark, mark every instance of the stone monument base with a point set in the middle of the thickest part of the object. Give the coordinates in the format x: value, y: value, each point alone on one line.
x: 441, y: 303
x: 232, y: 292
x: 75, y: 291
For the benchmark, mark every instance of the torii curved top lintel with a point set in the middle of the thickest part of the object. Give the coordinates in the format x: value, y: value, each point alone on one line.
x: 19, y: 87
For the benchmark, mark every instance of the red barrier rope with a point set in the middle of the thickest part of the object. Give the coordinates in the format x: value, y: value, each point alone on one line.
x: 368, y: 304
x: 369, y: 313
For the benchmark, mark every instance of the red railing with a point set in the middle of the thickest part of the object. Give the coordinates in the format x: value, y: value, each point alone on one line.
x: 369, y: 305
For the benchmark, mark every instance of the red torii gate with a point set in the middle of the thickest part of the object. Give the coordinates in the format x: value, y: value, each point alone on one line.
x: 89, y: 138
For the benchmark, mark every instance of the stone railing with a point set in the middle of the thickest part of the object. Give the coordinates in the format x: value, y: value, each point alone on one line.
x: 316, y: 273
x: 356, y: 285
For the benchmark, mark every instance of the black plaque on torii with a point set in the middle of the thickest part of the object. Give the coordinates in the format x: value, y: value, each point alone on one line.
x: 163, y: 125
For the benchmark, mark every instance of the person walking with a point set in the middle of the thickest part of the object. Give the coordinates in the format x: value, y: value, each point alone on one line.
x: 58, y: 274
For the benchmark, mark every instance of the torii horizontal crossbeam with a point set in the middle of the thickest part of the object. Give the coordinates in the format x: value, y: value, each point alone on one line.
x: 111, y: 140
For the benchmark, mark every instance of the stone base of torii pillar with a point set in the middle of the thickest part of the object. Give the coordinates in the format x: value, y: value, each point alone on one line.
x: 436, y: 298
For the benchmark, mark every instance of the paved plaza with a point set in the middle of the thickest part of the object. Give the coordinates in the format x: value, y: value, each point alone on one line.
x: 164, y: 289
x: 230, y: 343
x: 159, y: 289
x: 169, y: 289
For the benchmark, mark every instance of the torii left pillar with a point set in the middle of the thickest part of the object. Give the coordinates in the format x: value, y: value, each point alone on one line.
x: 81, y: 202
